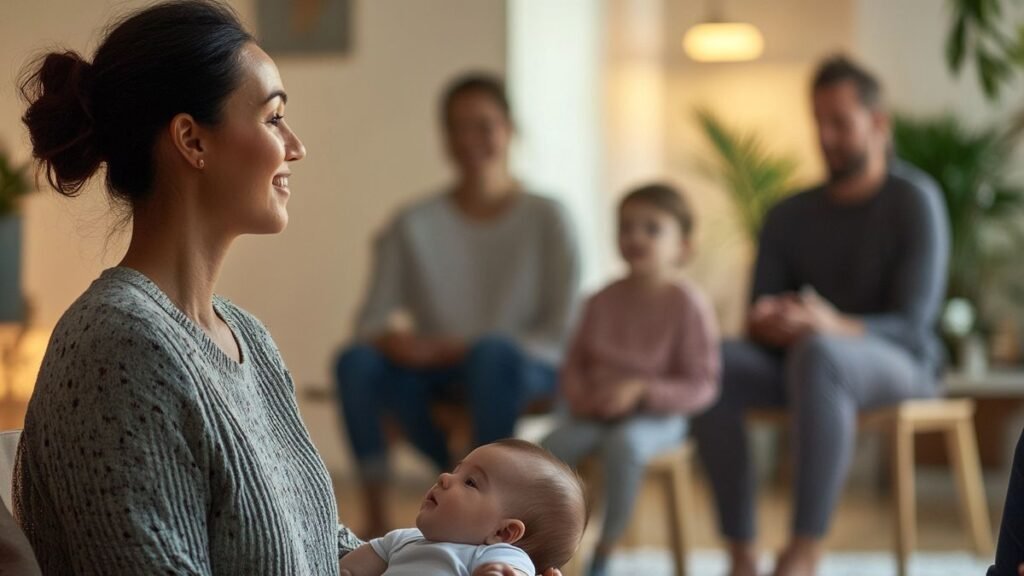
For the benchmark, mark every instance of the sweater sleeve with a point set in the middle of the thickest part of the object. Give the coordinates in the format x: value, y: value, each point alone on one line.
x: 919, y: 274
x: 118, y: 449
x: 385, y: 294
x: 559, y: 286
x: 771, y: 271
x: 572, y: 379
x: 347, y: 540
x: 694, y: 382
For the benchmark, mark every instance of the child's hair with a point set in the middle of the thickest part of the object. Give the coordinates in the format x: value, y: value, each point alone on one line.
x: 665, y: 197
x: 555, y: 513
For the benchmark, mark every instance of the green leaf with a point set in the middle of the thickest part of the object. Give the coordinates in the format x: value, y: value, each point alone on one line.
x: 956, y: 45
x: 972, y: 168
x: 753, y: 177
x: 14, y: 184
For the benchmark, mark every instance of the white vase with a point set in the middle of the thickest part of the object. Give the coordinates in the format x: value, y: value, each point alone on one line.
x: 973, y: 356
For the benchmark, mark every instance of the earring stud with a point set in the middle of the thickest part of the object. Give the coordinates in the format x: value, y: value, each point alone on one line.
x: 202, y: 163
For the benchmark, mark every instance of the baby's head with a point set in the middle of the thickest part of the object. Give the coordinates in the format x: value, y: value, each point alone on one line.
x: 513, y: 492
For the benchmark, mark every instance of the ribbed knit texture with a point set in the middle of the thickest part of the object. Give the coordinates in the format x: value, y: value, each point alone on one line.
x: 148, y: 450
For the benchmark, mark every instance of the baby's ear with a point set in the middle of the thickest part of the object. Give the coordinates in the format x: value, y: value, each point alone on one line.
x: 509, y: 532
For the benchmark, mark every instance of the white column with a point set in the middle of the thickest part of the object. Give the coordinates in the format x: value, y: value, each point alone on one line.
x: 554, y: 77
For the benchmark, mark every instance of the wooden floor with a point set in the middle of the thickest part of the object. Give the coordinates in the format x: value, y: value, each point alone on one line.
x: 863, y: 522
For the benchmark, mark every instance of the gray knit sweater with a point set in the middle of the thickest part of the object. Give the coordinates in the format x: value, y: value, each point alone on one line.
x: 147, y: 450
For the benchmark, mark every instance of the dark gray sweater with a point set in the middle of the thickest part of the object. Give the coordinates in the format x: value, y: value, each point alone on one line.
x: 884, y: 260
x: 147, y: 450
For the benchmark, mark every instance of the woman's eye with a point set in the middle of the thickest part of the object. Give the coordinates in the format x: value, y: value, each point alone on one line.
x: 276, y: 119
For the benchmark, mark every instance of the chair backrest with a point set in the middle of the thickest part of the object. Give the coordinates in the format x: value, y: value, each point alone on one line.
x: 8, y: 454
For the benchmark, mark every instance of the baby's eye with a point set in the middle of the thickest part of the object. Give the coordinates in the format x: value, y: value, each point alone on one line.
x: 471, y: 483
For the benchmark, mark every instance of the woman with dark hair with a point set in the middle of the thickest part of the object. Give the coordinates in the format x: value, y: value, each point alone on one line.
x: 163, y: 435
x: 470, y: 299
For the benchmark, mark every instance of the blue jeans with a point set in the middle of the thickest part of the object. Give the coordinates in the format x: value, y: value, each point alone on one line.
x: 497, y: 379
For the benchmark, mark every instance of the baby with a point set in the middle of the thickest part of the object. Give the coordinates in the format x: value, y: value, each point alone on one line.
x: 508, y: 503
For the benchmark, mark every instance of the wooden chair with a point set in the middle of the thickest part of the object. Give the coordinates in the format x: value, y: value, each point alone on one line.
x: 902, y: 422
x: 672, y: 475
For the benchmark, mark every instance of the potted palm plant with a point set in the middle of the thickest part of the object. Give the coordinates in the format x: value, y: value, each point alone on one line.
x: 983, y: 203
x: 14, y: 184
x: 754, y: 177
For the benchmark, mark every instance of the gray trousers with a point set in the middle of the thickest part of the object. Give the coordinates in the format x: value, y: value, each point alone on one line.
x: 625, y: 447
x: 823, y: 381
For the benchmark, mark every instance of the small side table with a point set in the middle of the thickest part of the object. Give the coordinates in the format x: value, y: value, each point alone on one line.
x: 999, y: 395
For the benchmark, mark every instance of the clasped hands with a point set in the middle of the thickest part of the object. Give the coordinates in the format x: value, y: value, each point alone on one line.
x: 781, y: 320
x: 611, y: 402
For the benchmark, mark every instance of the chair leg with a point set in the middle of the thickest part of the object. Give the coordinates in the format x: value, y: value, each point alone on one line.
x: 963, y: 456
x: 677, y: 485
x: 903, y: 488
x: 577, y: 565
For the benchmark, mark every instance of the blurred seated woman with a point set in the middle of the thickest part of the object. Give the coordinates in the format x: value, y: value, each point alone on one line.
x: 484, y: 273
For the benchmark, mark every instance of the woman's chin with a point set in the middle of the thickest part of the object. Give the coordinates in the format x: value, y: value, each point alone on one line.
x: 273, y: 224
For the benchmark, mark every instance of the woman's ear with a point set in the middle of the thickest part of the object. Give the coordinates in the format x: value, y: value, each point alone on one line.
x: 510, y: 532
x: 185, y: 135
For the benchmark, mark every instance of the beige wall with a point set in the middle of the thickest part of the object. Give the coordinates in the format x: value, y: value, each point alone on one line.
x: 903, y: 42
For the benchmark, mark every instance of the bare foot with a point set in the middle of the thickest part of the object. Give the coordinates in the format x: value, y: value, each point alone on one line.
x: 742, y: 559
x: 800, y: 558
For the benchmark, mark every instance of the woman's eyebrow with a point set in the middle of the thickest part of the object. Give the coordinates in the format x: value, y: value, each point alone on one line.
x: 275, y: 94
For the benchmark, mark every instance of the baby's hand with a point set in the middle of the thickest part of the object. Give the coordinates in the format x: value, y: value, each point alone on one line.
x: 506, y: 570
x: 495, y: 570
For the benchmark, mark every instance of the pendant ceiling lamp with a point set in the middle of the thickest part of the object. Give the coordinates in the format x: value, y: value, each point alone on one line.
x: 719, y: 40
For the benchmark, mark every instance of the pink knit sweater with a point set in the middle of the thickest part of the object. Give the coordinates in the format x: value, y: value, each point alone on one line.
x: 668, y: 338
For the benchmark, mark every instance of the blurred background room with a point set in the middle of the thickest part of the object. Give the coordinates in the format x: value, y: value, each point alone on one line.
x: 605, y: 96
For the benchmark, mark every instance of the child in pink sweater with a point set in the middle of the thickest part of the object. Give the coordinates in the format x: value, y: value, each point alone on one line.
x: 644, y: 358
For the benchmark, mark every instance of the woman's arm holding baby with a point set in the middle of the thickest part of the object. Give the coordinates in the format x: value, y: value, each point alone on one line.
x: 363, y: 561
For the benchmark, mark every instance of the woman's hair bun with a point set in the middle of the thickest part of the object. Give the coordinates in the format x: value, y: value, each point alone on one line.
x: 57, y: 90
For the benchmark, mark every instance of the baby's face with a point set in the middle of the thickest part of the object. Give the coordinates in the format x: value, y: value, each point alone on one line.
x: 470, y: 505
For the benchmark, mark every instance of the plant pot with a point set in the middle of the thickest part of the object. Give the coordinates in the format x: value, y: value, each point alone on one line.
x: 12, y: 307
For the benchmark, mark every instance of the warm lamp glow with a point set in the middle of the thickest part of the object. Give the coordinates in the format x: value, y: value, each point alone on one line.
x: 20, y: 368
x: 723, y: 42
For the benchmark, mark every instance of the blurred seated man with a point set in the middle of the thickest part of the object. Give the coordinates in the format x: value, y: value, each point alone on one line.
x: 849, y: 280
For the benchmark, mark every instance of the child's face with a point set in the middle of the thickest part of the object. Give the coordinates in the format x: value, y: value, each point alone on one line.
x: 469, y: 505
x: 650, y: 239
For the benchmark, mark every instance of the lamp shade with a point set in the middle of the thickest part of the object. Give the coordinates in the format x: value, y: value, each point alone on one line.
x: 723, y: 42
